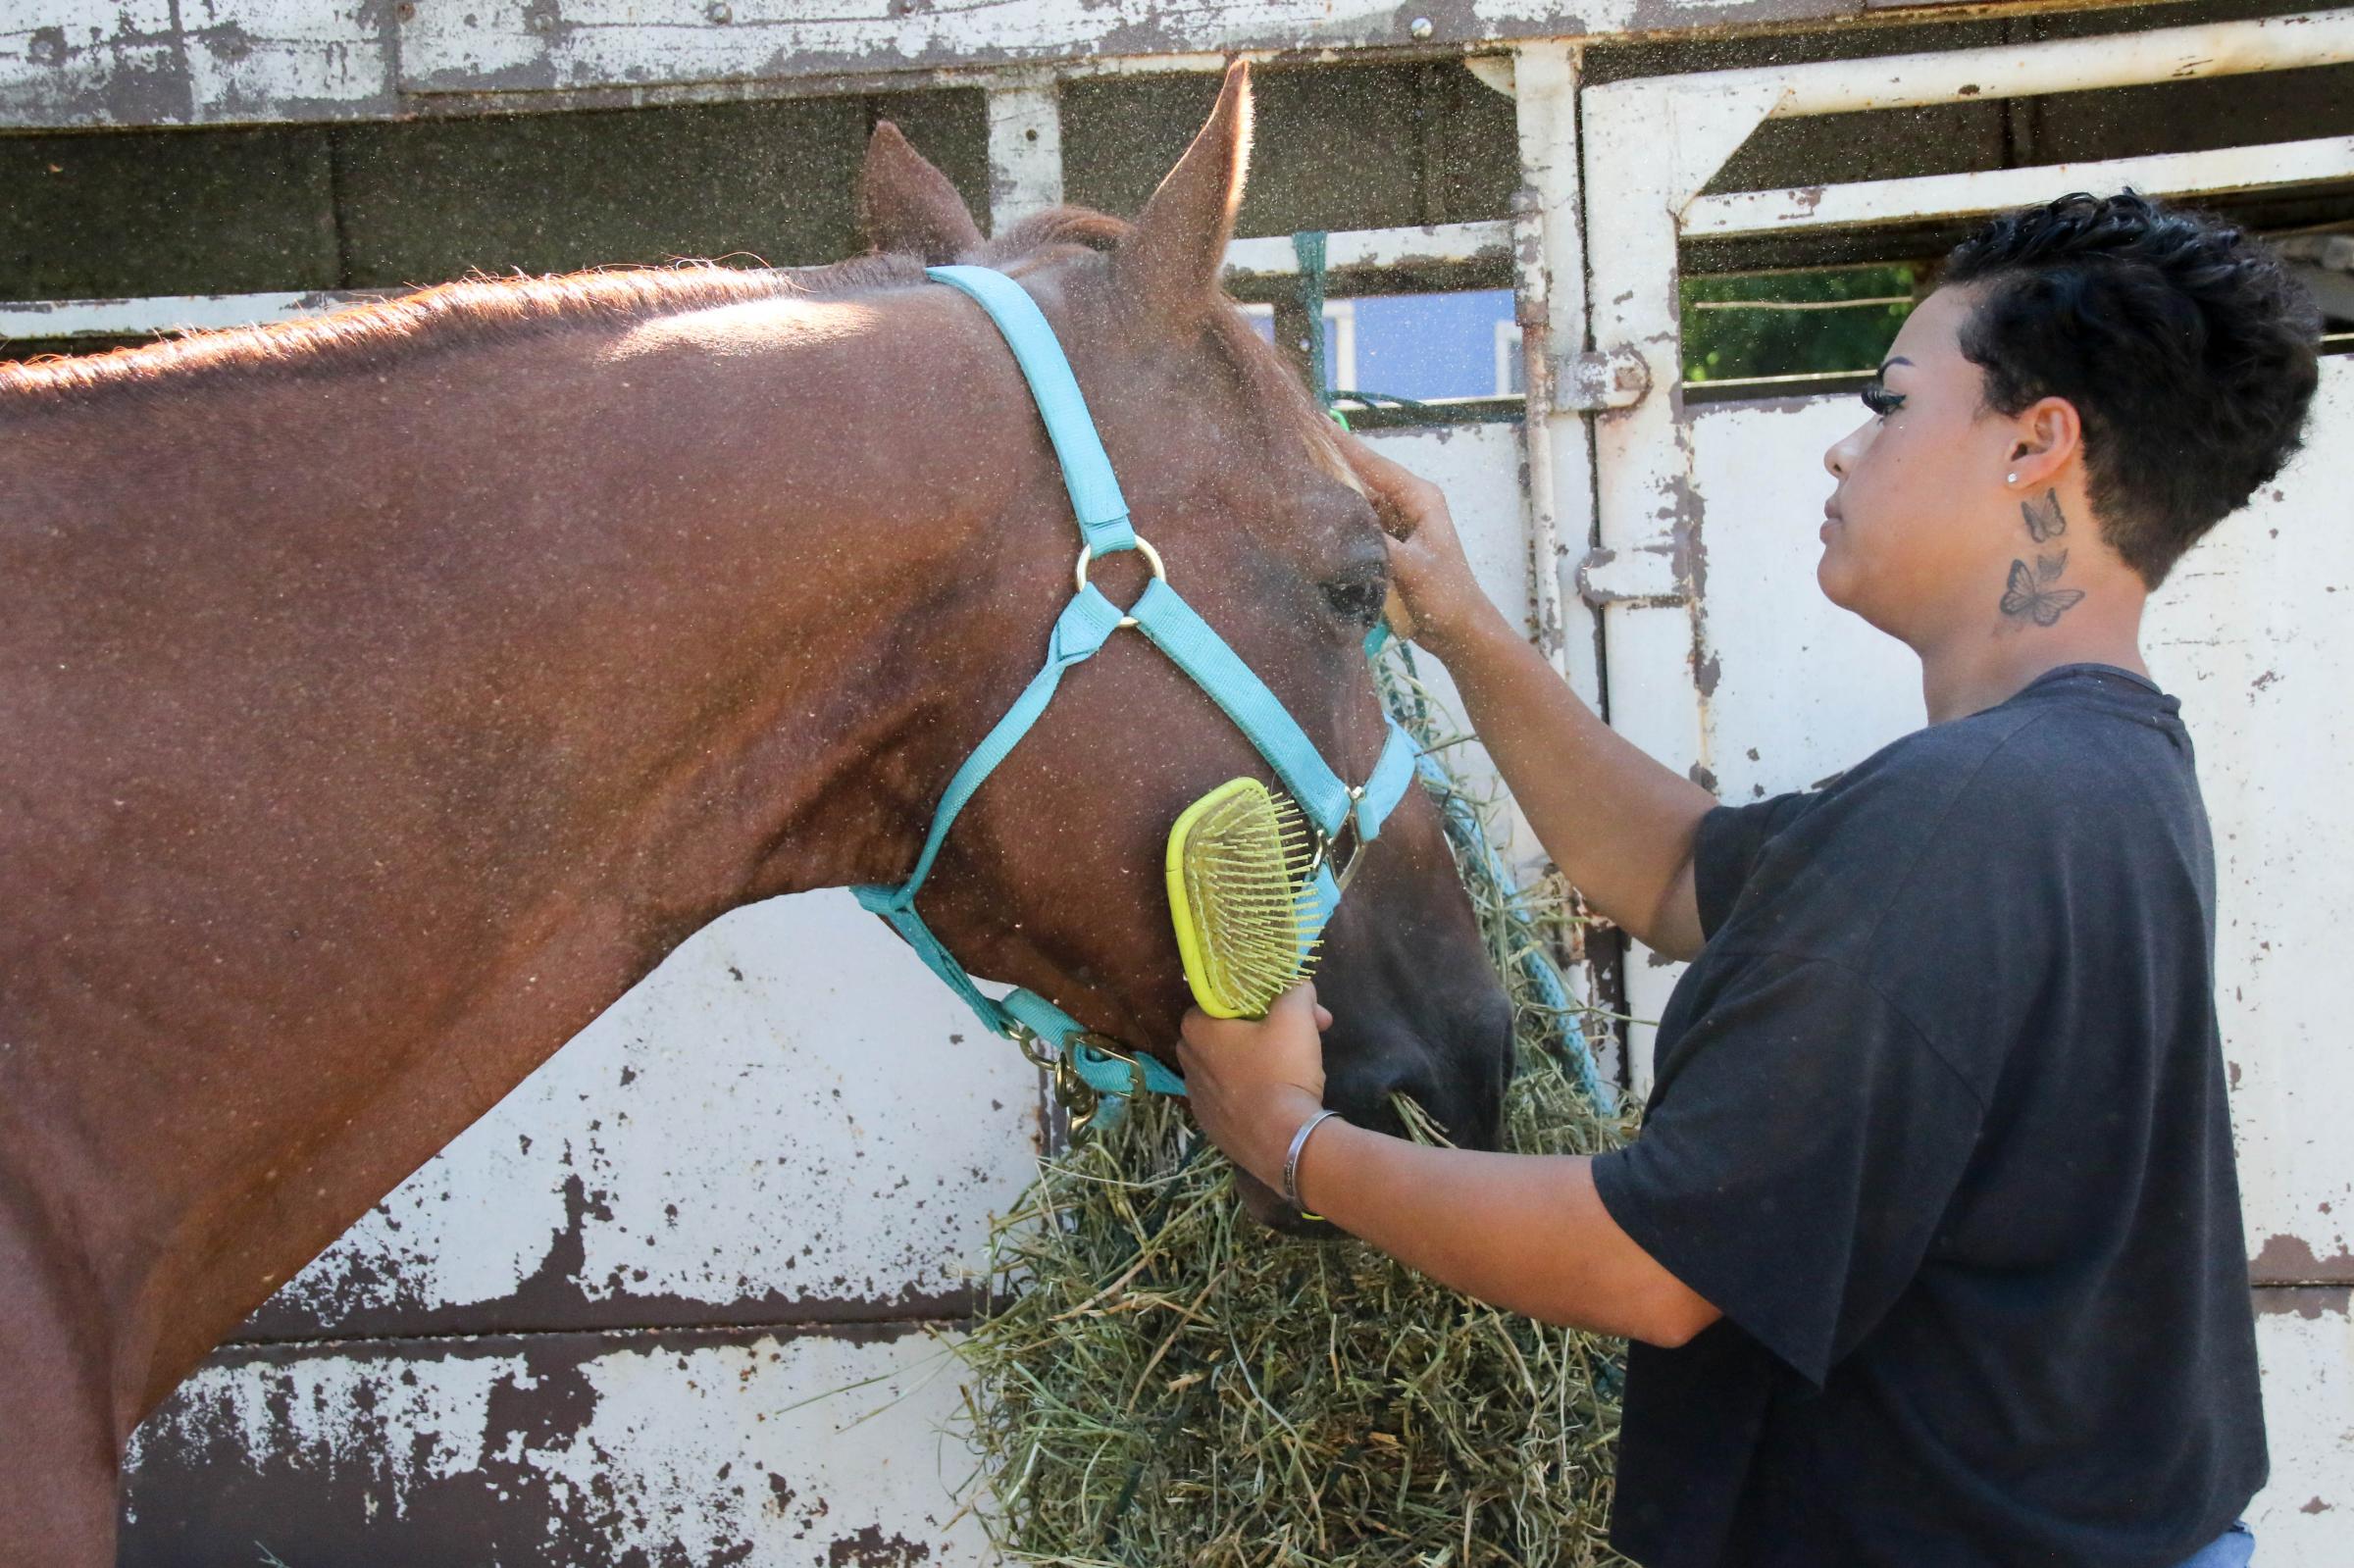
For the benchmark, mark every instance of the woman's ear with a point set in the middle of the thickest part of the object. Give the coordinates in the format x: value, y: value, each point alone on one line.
x: 2047, y: 438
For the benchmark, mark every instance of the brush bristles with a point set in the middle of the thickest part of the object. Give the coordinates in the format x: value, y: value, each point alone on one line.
x: 1246, y: 869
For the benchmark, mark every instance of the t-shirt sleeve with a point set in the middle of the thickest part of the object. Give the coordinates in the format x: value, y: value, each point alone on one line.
x: 1726, y: 847
x: 1801, y: 1151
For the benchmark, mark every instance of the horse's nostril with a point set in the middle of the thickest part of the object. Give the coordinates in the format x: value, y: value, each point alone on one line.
x: 1418, y: 1087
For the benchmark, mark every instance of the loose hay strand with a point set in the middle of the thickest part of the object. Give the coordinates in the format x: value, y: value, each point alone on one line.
x: 1161, y: 1383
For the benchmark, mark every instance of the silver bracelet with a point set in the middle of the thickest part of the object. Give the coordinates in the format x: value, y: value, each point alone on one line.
x: 1291, y: 1162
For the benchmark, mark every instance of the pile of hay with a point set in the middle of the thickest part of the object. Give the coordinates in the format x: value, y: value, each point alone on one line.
x: 1162, y: 1383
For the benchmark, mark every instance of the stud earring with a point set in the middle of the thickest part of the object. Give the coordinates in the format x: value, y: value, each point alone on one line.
x: 2010, y: 478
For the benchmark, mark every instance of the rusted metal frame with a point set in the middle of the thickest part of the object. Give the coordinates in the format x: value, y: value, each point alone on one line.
x: 1549, y: 305
x: 1549, y: 302
x: 2271, y: 167
x: 2319, y: 37
x: 540, y: 1304
x: 1650, y: 147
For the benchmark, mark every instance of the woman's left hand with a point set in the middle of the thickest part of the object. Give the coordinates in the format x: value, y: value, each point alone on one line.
x: 1252, y: 1081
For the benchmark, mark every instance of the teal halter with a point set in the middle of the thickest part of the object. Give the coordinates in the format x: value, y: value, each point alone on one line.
x: 1335, y: 810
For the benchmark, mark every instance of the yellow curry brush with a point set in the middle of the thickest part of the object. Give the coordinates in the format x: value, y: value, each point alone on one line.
x: 1241, y: 870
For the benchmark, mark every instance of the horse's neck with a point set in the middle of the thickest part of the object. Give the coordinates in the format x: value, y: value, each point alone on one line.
x: 645, y: 637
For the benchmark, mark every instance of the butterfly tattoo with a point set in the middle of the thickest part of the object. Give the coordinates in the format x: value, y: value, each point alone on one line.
x: 2044, y: 519
x: 2031, y: 592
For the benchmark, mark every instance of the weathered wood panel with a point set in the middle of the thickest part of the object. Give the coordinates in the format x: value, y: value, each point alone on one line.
x: 307, y: 208
x: 212, y: 211
x: 431, y: 200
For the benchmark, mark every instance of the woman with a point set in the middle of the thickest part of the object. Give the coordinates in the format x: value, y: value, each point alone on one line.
x: 1932, y: 1243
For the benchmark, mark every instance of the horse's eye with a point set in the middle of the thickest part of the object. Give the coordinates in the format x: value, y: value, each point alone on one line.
x: 1359, y: 597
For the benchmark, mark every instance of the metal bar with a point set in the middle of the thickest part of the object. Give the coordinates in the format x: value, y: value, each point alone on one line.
x: 1550, y: 307
x: 1025, y: 149
x: 2071, y: 65
x: 1549, y: 300
x: 162, y: 313
x: 1376, y: 250
x: 1882, y: 201
x: 1694, y: 123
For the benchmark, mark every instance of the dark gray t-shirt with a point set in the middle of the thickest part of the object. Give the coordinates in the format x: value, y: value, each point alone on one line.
x: 1940, y: 1125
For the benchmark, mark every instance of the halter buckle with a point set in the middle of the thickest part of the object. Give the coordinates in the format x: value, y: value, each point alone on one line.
x: 1086, y: 554
x: 1327, y: 851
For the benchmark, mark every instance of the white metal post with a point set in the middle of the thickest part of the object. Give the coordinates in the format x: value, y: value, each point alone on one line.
x: 1025, y: 149
x: 1549, y: 300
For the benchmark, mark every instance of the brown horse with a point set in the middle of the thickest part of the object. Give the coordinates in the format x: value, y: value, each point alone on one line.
x: 389, y: 693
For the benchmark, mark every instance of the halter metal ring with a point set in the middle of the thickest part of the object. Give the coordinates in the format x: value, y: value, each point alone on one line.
x: 1034, y: 1046
x: 1086, y: 554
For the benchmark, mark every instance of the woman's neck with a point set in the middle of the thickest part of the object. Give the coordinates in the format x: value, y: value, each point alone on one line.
x: 1968, y: 674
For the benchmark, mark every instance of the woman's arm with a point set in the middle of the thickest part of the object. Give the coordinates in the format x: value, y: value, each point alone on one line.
x: 1619, y: 825
x: 1525, y: 1233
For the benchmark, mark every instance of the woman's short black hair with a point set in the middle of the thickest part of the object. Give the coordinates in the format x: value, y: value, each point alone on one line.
x: 2185, y: 346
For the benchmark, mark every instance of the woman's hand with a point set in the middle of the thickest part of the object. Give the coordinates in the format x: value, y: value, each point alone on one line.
x: 1253, y: 1081
x: 1430, y: 578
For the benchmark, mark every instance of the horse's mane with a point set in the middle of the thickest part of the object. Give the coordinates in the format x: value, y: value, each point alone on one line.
x: 488, y: 309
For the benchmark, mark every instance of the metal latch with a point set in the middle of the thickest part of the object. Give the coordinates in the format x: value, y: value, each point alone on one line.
x: 1592, y: 382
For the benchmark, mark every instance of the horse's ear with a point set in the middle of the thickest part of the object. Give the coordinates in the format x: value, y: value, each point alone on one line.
x: 1168, y: 265
x: 907, y: 207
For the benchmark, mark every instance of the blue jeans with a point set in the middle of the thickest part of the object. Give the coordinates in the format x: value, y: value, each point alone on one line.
x: 2231, y: 1550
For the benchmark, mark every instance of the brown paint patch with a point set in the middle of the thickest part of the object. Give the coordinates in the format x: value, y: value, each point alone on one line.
x: 2291, y: 1260
x: 207, y: 1498
x: 871, y: 1548
x: 1705, y: 673
x: 369, y: 1302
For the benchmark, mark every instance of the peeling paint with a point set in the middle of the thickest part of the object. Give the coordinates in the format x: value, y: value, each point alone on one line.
x: 284, y: 60
x: 2291, y: 1260
x: 548, y: 1449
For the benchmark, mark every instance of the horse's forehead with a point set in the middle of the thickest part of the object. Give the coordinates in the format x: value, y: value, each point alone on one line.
x: 1199, y: 411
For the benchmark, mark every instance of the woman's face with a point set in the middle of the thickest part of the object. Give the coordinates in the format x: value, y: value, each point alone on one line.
x: 1916, y: 534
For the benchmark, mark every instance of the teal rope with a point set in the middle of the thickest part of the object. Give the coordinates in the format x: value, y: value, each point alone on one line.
x: 1477, y: 854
